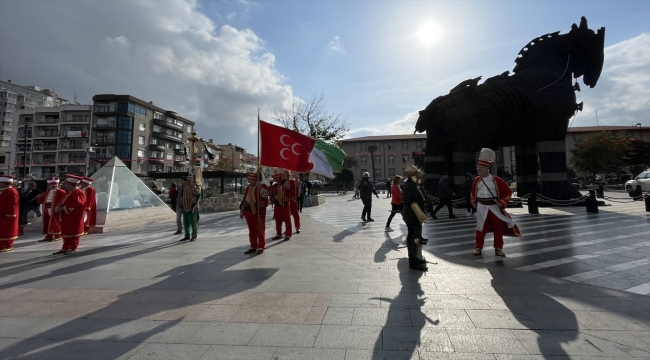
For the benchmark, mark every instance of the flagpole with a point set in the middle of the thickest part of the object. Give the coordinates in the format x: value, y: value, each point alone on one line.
x: 259, y: 155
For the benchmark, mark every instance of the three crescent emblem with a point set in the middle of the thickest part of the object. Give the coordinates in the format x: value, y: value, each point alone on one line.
x: 288, y: 147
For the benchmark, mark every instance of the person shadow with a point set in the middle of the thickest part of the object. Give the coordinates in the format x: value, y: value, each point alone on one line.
x: 176, y: 298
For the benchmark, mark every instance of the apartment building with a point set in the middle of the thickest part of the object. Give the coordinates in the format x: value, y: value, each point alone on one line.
x: 145, y: 137
x: 236, y: 154
x: 52, y: 141
x: 12, y: 99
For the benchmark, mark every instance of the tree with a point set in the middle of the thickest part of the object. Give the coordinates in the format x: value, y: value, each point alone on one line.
x: 310, y: 117
x: 346, y: 176
x: 350, y: 161
x: 224, y: 164
x: 601, y: 152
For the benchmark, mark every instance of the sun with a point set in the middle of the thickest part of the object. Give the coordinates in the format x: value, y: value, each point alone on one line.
x: 429, y: 33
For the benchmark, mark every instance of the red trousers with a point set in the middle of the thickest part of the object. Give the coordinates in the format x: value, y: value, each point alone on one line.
x: 293, y: 205
x: 282, y: 214
x: 492, y: 224
x: 6, y: 244
x: 70, y: 243
x: 256, y: 228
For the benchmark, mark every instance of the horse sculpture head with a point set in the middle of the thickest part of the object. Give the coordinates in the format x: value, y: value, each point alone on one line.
x: 588, y: 51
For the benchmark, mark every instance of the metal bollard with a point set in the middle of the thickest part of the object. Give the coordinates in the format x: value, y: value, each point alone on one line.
x: 647, y: 203
x: 533, y: 208
x: 592, y: 203
x: 638, y: 192
x: 600, y: 192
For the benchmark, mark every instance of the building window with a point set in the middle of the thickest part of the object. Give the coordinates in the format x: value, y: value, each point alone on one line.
x: 576, y: 138
x: 405, y: 158
x: 377, y: 145
x: 167, y: 146
x: 363, y: 147
x: 139, y: 167
x: 157, y: 115
x: 125, y: 122
x: 418, y: 145
x: 168, y: 169
x: 391, y: 146
x: 405, y: 145
x: 178, y: 146
x: 189, y: 128
x: 391, y: 173
x: 377, y: 173
x: 140, y: 153
x: 391, y: 159
x: 140, y: 140
x: 154, y: 141
x: 124, y: 137
x: 156, y: 154
x: 377, y: 159
x: 141, y: 127
x: 170, y: 156
x: 123, y: 152
x: 364, y: 159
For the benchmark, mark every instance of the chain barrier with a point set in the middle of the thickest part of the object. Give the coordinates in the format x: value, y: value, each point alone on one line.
x: 614, y: 190
x: 621, y: 200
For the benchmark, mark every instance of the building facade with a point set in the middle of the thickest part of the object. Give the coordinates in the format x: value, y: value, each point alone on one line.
x: 52, y: 141
x: 12, y: 99
x: 145, y: 137
x: 236, y: 155
x: 574, y: 134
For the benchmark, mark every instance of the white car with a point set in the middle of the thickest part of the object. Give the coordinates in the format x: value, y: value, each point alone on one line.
x: 642, y: 179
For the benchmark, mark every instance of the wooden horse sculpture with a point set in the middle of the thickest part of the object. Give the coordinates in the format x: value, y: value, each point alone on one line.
x: 530, y: 110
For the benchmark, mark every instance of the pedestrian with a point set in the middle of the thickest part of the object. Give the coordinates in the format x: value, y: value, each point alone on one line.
x: 281, y: 208
x: 356, y: 190
x: 389, y: 192
x: 253, y: 208
x: 178, y: 209
x: 308, y: 192
x: 467, y: 188
x: 90, y: 218
x: 154, y: 187
x: 395, y: 202
x: 173, y: 196
x: 445, y: 194
x: 31, y: 200
x: 490, y: 196
x: 190, y: 203
x: 411, y: 196
x: 9, y: 213
x: 293, y: 192
x: 303, y: 193
x: 71, y: 209
x: 49, y: 201
x: 366, y: 189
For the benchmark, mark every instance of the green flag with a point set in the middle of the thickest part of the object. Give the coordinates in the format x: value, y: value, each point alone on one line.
x: 334, y: 155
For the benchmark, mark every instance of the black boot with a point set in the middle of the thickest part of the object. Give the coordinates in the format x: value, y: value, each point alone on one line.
x: 418, y: 266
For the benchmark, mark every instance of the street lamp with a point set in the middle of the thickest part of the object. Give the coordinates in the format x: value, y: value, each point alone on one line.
x: 25, y: 153
x: 232, y: 159
x: 372, y: 149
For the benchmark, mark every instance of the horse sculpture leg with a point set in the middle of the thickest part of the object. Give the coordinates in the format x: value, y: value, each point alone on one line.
x: 527, y: 168
x: 552, y: 160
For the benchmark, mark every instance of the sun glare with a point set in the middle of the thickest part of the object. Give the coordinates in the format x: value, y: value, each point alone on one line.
x: 429, y: 33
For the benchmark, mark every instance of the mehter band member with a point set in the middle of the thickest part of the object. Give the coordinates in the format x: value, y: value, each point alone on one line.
x: 281, y: 207
x: 71, y: 209
x: 9, y: 213
x: 294, y: 194
x: 490, y: 196
x: 49, y: 200
x: 91, y: 203
x: 253, y: 208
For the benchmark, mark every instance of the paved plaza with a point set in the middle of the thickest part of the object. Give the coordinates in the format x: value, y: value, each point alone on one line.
x: 574, y: 286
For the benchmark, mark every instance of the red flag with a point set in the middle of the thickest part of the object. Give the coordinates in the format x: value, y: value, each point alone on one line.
x: 285, y: 148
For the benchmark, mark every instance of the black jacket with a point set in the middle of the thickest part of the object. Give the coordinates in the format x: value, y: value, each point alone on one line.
x: 411, y: 194
x: 366, y: 189
x: 467, y: 186
x: 444, y: 191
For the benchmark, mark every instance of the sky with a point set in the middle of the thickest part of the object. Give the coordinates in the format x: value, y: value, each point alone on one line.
x: 218, y: 62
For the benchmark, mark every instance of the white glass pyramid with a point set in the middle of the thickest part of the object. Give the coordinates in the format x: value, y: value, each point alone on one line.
x: 119, y: 189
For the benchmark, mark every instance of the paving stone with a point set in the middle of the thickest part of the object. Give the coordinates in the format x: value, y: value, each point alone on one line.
x: 225, y: 352
x: 349, y: 337
x: 223, y: 334
x: 500, y: 319
x: 291, y: 353
x: 496, y: 341
x: 381, y: 355
x: 338, y: 316
x: 285, y: 335
x: 171, y: 351
x: 415, y: 338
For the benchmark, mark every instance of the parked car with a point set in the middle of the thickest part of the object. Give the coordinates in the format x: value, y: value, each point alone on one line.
x: 642, y: 179
x: 379, y: 184
x: 316, y: 183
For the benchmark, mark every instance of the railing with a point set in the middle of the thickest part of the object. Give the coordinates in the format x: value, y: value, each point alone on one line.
x: 103, y: 140
x: 74, y: 120
x: 99, y: 126
x: 101, y: 156
x: 71, y: 147
x: 46, y: 134
x: 47, y: 121
x: 44, y: 147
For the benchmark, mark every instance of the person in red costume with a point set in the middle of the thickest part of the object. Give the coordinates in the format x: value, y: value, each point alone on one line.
x: 281, y: 208
x: 71, y: 209
x: 9, y: 210
x: 90, y: 218
x: 490, y: 196
x: 294, y: 194
x: 253, y: 208
x: 49, y: 200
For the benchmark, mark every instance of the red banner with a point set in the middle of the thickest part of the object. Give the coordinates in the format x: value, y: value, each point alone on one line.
x: 284, y: 148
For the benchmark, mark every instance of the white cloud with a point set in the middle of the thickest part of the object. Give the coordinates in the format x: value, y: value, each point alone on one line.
x: 335, y: 45
x: 405, y: 125
x: 622, y: 95
x: 172, y: 55
x: 231, y: 15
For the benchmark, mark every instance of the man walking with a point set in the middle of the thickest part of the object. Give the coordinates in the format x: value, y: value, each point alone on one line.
x: 366, y: 189
x: 445, y: 195
x: 490, y: 196
x: 293, y: 192
x: 253, y: 208
x: 467, y: 188
x: 411, y: 195
x: 71, y: 209
x: 49, y: 201
x: 31, y: 200
x: 389, y: 191
x: 9, y: 213
x: 190, y: 203
x: 90, y: 218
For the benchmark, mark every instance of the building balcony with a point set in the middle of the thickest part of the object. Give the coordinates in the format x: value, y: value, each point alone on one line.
x: 46, y: 135
x: 47, y: 121
x: 156, y: 160
x: 156, y: 147
x: 179, y: 151
x: 44, y: 148
x: 103, y: 141
x: 44, y: 162
x: 101, y: 157
x: 101, y: 127
x: 166, y: 136
x: 75, y: 120
x: 74, y: 134
x: 23, y: 148
x: 72, y: 161
x: 175, y: 125
x: 64, y: 147
x: 180, y: 162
